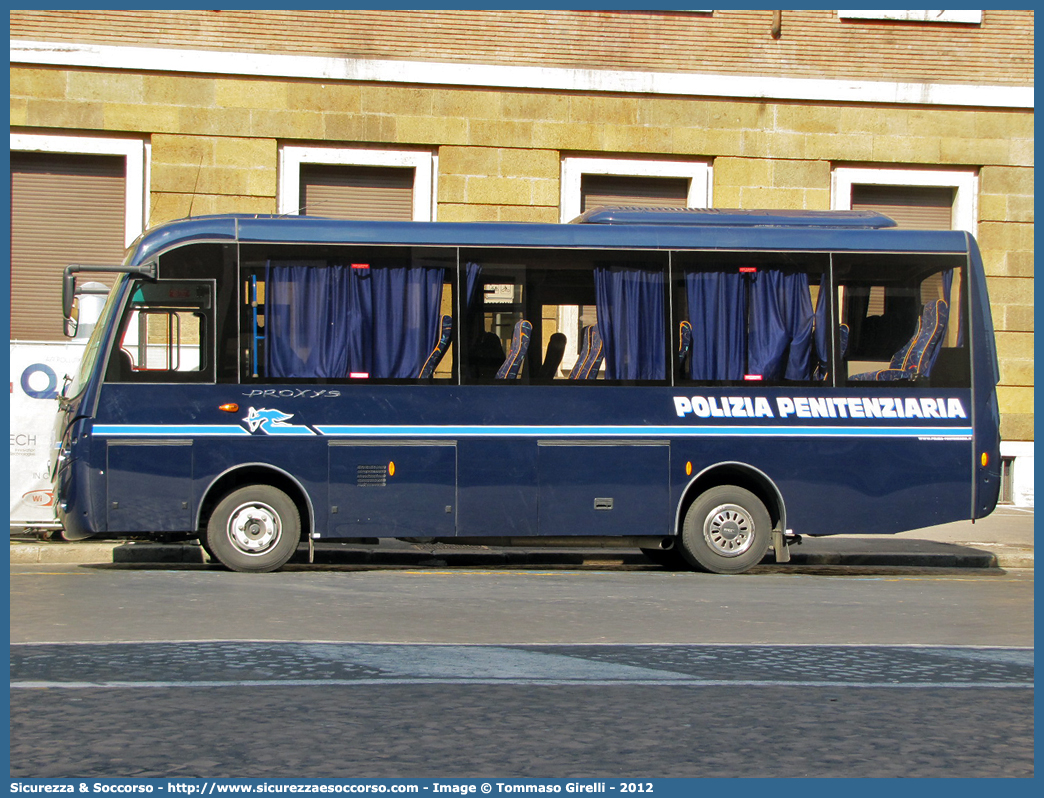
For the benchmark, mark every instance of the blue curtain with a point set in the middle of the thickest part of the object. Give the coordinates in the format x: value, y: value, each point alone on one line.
x: 821, y: 322
x: 306, y: 323
x: 757, y: 323
x: 718, y: 315
x: 332, y: 320
x: 359, y: 299
x: 472, y: 272
x: 406, y: 313
x: 631, y: 322
x: 780, y: 336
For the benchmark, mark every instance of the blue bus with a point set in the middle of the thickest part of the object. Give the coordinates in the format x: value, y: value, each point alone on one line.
x: 700, y: 384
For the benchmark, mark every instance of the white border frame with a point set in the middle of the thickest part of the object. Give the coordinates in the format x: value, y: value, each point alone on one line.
x: 137, y: 155
x: 961, y: 16
x: 573, y: 169
x: 1022, y: 481
x: 429, y: 73
x: 965, y: 181
x: 424, y: 165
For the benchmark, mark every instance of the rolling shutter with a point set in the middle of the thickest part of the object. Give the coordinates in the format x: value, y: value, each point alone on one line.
x: 912, y: 207
x: 64, y: 209
x: 357, y: 192
x: 620, y: 191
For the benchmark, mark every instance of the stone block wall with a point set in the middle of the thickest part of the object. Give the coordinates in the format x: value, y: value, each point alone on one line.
x: 215, y: 145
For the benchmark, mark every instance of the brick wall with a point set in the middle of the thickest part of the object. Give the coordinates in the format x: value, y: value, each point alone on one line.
x: 812, y: 44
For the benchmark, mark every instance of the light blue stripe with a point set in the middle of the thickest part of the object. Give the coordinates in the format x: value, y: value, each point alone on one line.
x: 454, y: 431
x: 957, y: 433
x: 169, y: 430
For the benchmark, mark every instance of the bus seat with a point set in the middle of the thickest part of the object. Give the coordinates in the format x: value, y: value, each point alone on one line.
x: 684, y: 341
x: 445, y: 334
x: 519, y: 346
x: 591, y: 355
x: 585, y: 347
x: 916, y: 358
x: 553, y: 356
x: 485, y: 355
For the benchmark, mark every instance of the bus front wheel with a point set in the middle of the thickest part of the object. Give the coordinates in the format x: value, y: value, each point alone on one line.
x: 727, y: 530
x: 255, y: 529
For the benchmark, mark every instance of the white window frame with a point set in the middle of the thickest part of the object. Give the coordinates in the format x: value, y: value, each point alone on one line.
x: 424, y: 165
x: 964, y: 182
x: 137, y: 155
x: 962, y: 16
x: 573, y: 170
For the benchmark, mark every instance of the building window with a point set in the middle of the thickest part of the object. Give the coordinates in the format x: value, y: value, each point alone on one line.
x: 73, y: 200
x: 357, y: 184
x: 357, y: 192
x: 588, y: 182
x: 920, y: 198
x: 669, y: 192
x: 912, y: 207
x: 962, y: 16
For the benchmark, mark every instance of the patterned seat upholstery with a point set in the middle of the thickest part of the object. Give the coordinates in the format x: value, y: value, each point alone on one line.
x: 684, y: 341
x: 445, y: 335
x: 519, y: 346
x: 591, y: 355
x: 916, y: 358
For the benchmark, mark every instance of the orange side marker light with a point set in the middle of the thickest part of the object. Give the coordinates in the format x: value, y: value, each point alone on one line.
x: 391, y: 469
x: 688, y: 469
x: 229, y: 407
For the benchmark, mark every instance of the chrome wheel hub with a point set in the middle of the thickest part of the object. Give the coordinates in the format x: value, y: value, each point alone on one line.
x: 729, y: 530
x: 254, y: 528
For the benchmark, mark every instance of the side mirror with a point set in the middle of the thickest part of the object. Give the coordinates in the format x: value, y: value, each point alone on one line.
x: 68, y: 292
x: 72, y: 321
x: 147, y: 270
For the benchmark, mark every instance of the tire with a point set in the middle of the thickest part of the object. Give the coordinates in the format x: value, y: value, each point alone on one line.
x: 205, y: 545
x: 254, y: 529
x: 727, y: 530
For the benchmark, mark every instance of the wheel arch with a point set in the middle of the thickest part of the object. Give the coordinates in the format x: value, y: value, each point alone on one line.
x: 257, y: 474
x: 742, y: 475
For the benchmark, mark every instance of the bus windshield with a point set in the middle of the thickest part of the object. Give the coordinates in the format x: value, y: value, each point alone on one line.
x: 90, y: 353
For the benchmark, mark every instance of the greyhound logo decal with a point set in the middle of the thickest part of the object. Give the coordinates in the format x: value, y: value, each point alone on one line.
x: 273, y: 422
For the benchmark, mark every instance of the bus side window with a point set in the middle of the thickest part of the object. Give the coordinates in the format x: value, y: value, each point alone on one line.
x: 356, y: 315
x: 741, y: 323
x: 905, y: 331
x: 590, y: 317
x: 493, y: 321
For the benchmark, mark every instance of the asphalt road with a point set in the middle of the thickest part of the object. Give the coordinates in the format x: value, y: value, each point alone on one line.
x: 196, y: 672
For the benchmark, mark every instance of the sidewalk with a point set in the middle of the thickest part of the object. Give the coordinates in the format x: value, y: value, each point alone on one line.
x: 1003, y: 540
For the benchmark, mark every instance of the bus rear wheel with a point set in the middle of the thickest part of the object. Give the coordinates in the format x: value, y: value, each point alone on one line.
x: 727, y: 530
x: 254, y: 529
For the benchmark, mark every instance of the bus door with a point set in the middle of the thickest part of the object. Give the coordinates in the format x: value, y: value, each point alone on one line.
x: 165, y: 340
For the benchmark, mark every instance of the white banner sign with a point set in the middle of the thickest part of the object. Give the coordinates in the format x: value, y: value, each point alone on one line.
x: 37, y: 374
